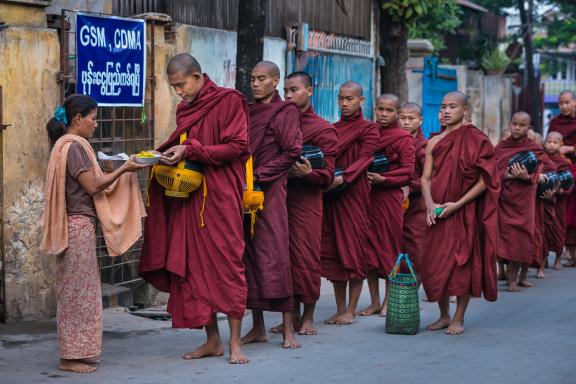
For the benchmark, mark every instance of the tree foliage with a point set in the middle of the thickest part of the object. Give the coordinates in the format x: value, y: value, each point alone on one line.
x: 435, y: 22
x: 425, y: 19
x: 561, y: 27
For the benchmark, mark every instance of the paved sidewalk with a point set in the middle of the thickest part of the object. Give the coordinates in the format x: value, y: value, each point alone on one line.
x: 527, y: 337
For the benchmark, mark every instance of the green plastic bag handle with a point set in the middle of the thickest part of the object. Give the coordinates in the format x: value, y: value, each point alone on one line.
x: 402, y: 256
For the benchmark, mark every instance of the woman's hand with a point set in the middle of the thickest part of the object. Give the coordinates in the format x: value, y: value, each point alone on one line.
x: 548, y: 194
x: 132, y: 166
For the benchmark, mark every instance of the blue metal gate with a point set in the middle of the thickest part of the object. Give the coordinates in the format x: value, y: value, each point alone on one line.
x: 436, y: 82
x: 331, y: 61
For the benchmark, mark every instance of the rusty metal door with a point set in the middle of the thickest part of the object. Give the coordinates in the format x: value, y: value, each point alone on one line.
x: 120, y: 129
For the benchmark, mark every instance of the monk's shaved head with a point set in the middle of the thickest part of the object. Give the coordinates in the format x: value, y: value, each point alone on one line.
x: 555, y: 135
x: 356, y: 87
x: 412, y: 107
x: 269, y: 67
x: 389, y: 97
x: 460, y: 96
x: 522, y: 115
x: 302, y: 76
x: 567, y: 92
x: 183, y: 63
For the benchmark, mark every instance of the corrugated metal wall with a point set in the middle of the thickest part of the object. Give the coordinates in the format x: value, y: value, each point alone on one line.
x: 329, y: 72
x: 325, y: 15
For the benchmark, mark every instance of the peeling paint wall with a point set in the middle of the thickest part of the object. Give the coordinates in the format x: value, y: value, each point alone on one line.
x: 29, y: 62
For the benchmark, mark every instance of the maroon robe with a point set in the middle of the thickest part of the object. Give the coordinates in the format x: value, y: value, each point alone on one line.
x: 386, y: 213
x: 566, y: 126
x: 275, y: 142
x: 459, y: 252
x: 542, y: 211
x: 556, y: 234
x: 517, y: 209
x: 345, y: 220
x: 305, y: 209
x: 415, y: 216
x: 201, y: 267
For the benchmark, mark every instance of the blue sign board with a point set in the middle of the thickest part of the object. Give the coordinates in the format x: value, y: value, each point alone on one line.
x: 111, y: 59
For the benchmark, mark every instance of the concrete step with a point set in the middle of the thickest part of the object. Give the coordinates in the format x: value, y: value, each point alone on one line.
x: 116, y: 296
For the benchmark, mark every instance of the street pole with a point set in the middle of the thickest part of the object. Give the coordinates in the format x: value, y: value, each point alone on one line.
x: 250, y: 42
x: 526, y: 17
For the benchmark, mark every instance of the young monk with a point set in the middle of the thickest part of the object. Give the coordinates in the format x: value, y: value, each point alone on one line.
x: 193, y: 246
x: 275, y: 142
x: 415, y: 216
x: 77, y: 192
x: 459, y: 253
x: 517, y: 208
x: 305, y: 186
x: 540, y: 248
x: 565, y: 124
x: 346, y: 212
x: 386, y: 213
x: 556, y: 229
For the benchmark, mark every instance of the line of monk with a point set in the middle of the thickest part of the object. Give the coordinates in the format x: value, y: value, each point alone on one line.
x: 341, y: 201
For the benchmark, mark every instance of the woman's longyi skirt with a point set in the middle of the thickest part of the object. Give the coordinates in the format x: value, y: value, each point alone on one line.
x: 79, y: 307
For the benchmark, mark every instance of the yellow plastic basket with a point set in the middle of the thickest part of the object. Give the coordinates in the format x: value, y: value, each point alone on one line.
x: 180, y: 180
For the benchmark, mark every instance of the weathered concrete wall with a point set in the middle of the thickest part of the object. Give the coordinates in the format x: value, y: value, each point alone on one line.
x: 29, y: 61
x: 490, y: 97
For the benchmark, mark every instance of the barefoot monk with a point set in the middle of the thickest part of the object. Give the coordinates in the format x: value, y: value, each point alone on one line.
x: 193, y: 245
x: 460, y: 187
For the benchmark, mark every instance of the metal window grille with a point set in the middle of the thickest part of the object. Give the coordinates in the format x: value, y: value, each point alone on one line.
x: 120, y: 129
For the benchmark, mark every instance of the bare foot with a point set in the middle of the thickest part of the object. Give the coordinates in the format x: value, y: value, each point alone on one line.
x: 541, y: 274
x: 455, y: 328
x: 236, y: 356
x: 254, y: 336
x: 208, y: 349
x: 290, y: 341
x: 346, y: 318
x: 91, y: 360
x: 307, y: 328
x: 512, y: 287
x: 332, y: 320
x: 558, y: 264
x: 371, y: 310
x: 442, y: 323
x: 76, y: 366
x: 383, y: 311
x: 277, y: 329
x: 525, y: 283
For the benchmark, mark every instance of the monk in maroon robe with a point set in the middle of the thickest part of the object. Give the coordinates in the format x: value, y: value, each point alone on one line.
x: 545, y: 212
x: 415, y: 216
x: 193, y: 246
x: 556, y: 230
x: 460, y: 187
x: 565, y: 124
x: 275, y: 143
x: 386, y: 213
x: 517, y: 209
x: 305, y: 187
x: 346, y: 211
